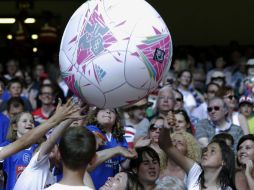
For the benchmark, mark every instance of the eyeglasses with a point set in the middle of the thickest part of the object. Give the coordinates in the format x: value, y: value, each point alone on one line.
x: 216, y: 108
x: 154, y: 127
x: 165, y: 98
x: 231, y: 97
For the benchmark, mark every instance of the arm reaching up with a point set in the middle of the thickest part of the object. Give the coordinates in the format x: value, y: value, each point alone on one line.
x: 167, y: 146
x: 62, y: 113
x: 47, y: 146
x: 103, y: 155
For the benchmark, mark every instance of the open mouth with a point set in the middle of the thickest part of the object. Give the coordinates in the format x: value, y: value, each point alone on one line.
x: 152, y: 173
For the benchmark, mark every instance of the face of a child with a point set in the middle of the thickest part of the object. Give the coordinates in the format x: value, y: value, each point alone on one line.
x: 24, y: 124
x: 139, y: 113
x: 15, y: 90
x: 106, y: 117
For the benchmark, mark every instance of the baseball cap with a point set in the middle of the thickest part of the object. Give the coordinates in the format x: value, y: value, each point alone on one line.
x: 218, y: 74
x: 246, y: 99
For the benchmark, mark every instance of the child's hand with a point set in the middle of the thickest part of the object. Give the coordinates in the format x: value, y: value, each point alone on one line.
x: 142, y: 142
x: 127, y: 153
x: 67, y: 111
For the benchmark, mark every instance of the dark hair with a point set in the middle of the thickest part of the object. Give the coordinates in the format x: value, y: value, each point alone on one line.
x: 14, y: 80
x: 45, y: 86
x: 187, y: 119
x: 227, y: 174
x: 241, y: 140
x: 77, y: 147
x: 183, y: 71
x: 132, y: 182
x: 117, y: 130
x: 210, y: 84
x: 224, y: 91
x: 178, y: 92
x: 135, y: 163
x: 244, y: 138
x: 223, y: 137
x: 16, y: 102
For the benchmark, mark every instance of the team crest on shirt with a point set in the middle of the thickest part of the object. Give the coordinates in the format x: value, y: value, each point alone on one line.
x: 26, y: 158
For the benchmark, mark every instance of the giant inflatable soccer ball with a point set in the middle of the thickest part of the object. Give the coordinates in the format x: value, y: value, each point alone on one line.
x: 114, y: 52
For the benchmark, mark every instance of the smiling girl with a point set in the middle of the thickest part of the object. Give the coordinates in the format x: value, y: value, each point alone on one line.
x: 15, y: 164
x: 245, y: 158
x: 216, y: 170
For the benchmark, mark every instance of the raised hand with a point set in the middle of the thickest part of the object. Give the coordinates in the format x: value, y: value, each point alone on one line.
x: 170, y: 121
x: 67, y: 111
x: 142, y: 142
x: 164, y: 138
x: 127, y: 153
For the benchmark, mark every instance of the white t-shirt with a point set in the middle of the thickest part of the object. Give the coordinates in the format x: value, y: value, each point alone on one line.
x: 36, y: 176
x: 192, y: 180
x: 189, y: 100
x: 58, y: 186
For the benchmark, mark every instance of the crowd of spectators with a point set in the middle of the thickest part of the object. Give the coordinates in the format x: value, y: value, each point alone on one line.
x: 196, y: 131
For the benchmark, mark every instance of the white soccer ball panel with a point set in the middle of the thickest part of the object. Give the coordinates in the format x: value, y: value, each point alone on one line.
x: 91, y: 94
x: 106, y: 71
x: 65, y: 62
x: 123, y: 95
x: 136, y: 73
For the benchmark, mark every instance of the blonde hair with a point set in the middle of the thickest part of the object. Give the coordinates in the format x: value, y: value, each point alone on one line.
x: 193, y: 148
x: 12, y: 132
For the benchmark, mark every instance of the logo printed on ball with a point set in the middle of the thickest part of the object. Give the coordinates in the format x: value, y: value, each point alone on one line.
x: 159, y: 55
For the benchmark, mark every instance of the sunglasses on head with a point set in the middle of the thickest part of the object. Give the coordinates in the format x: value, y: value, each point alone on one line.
x: 216, y: 108
x: 154, y: 127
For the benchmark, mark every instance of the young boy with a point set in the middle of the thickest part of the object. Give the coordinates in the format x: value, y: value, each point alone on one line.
x: 77, y: 149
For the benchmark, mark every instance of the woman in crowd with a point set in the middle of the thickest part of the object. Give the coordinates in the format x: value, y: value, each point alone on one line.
x: 217, y: 164
x: 244, y: 178
x: 123, y: 181
x: 228, y: 95
x: 183, y: 122
x: 153, y: 134
x: 187, y: 145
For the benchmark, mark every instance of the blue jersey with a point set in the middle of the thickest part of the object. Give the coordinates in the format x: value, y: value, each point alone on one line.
x: 15, y: 165
x: 111, y: 166
x: 4, y: 126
